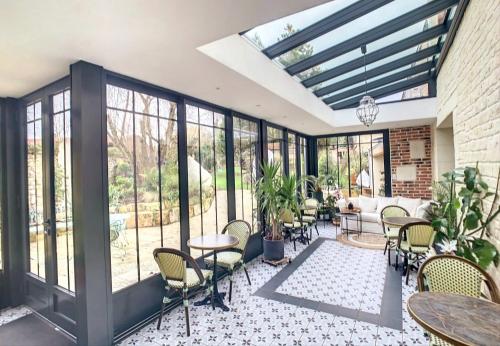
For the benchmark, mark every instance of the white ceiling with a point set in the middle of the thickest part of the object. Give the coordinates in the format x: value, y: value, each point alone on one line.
x: 155, y: 41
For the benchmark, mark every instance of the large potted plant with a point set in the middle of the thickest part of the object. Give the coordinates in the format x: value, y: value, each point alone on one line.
x: 274, y: 194
x: 317, y: 185
x: 460, y: 218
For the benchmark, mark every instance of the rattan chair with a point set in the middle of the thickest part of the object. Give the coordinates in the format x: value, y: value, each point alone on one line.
x: 419, y: 239
x: 391, y: 232
x: 310, y: 216
x: 234, y: 258
x: 457, y: 275
x: 174, y: 269
x: 292, y: 228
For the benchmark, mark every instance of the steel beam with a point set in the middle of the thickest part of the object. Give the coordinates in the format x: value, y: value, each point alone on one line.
x: 374, y: 34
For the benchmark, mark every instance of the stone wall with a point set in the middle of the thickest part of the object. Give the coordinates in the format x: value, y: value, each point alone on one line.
x: 468, y: 89
x: 411, y: 162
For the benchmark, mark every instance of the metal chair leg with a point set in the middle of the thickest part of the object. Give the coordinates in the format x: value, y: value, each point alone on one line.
x: 397, y: 259
x: 248, y: 277
x: 294, y: 246
x: 230, y: 286
x: 389, y: 255
x: 385, y: 249
x: 316, y: 226
x: 407, y: 261
x: 186, y: 310
x: 161, y: 314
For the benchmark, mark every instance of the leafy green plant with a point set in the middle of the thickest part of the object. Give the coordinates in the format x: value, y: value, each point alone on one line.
x: 460, y: 218
x: 319, y: 182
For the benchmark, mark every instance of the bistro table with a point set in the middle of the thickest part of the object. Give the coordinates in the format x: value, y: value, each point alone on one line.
x: 457, y: 319
x: 215, y: 243
x: 353, y: 214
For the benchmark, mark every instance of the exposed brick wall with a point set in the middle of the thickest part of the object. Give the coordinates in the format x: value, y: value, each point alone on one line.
x: 468, y: 88
x: 400, y: 155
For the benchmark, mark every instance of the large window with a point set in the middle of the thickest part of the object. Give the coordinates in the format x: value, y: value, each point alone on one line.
x: 35, y: 189
x: 246, y: 141
x: 142, y: 182
x: 61, y: 118
x: 292, y: 161
x: 303, y: 157
x: 275, y: 146
x: 354, y: 164
x: 207, y: 180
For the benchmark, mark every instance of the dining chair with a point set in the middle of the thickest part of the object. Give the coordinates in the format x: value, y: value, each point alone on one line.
x: 174, y: 270
x: 294, y: 229
x: 391, y: 232
x: 310, y: 215
x: 234, y: 258
x: 457, y: 275
x: 419, y: 239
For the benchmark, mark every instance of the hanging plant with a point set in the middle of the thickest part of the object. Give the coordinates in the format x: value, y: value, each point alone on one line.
x: 459, y: 215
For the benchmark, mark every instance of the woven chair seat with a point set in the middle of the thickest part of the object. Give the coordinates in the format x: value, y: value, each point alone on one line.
x: 226, y: 259
x: 295, y: 224
x: 392, y: 234
x: 405, y: 247
x: 307, y: 219
x: 192, y: 279
x: 435, y: 341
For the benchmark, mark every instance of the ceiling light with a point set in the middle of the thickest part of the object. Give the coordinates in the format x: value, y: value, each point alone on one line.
x: 367, y: 110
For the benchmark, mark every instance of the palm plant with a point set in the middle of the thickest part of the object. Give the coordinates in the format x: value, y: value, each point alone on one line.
x: 460, y: 218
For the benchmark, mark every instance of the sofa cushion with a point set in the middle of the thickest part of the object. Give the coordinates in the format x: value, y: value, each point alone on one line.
x: 410, y: 204
x: 342, y: 203
x: 423, y: 209
x: 367, y: 204
x: 385, y: 201
x: 369, y: 217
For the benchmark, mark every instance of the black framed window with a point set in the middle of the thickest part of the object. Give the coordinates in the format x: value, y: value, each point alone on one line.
x: 34, y: 149
x: 292, y: 160
x: 207, y: 175
x: 303, y: 159
x: 246, y: 144
x: 61, y: 119
x: 275, y: 146
x: 355, y: 164
x: 143, y: 183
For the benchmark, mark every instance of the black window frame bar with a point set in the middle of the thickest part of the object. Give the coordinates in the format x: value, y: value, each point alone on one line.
x: 409, y: 72
x: 379, y: 54
x: 333, y: 21
x: 385, y: 91
x: 377, y: 71
x: 385, y: 29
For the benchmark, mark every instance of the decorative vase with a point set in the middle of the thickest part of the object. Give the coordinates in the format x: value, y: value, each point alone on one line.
x: 350, y: 206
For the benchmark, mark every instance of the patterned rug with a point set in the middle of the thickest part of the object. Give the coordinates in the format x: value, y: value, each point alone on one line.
x: 364, y: 240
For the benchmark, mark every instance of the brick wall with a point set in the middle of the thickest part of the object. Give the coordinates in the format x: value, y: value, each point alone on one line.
x: 400, y: 141
x: 468, y: 88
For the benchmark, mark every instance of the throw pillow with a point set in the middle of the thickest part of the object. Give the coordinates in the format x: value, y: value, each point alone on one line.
x: 410, y: 204
x: 367, y: 204
x: 385, y: 201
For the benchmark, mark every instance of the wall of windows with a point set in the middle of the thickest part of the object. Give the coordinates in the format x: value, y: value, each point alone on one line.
x: 303, y: 159
x: 34, y: 149
x: 207, y: 178
x: 275, y: 147
x: 292, y: 161
x: 143, y: 184
x: 61, y: 119
x: 246, y: 147
x: 354, y: 164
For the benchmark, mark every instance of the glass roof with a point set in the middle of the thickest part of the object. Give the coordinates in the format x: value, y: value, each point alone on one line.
x: 401, y: 38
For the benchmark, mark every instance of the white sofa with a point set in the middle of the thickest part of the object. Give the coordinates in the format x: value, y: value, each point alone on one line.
x: 371, y: 208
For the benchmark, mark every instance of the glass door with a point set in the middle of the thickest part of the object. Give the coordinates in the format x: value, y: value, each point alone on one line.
x: 50, y: 260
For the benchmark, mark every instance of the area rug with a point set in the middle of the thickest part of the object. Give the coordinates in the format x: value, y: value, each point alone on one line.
x: 364, y: 240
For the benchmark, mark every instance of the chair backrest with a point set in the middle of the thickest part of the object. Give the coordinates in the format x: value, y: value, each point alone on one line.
x: 173, y: 263
x: 453, y: 274
x: 418, y: 234
x: 313, y: 204
x: 393, y: 211
x: 287, y: 216
x: 241, y: 230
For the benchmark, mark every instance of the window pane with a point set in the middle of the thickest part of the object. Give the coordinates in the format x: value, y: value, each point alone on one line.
x: 292, y: 162
x: 119, y: 98
x: 274, y: 147
x: 63, y: 192
x: 35, y: 193
x: 144, y: 103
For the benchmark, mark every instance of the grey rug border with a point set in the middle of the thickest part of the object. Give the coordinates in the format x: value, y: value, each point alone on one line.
x: 391, y: 314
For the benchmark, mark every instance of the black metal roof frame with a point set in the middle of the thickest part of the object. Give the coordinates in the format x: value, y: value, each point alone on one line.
x: 349, y: 97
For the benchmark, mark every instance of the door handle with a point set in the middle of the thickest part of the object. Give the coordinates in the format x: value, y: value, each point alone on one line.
x: 46, y: 227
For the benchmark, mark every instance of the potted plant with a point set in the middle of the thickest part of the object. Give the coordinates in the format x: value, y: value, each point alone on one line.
x: 317, y: 185
x: 274, y: 194
x: 458, y: 215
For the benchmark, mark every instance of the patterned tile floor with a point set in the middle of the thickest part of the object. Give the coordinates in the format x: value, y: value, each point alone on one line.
x: 10, y: 314
x: 255, y: 321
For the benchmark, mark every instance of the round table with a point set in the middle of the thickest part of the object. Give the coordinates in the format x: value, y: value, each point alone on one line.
x: 400, y: 221
x: 457, y: 319
x: 215, y: 243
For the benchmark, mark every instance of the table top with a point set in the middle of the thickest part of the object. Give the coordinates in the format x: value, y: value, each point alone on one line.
x: 350, y: 211
x: 402, y: 220
x: 213, y: 242
x: 458, y: 319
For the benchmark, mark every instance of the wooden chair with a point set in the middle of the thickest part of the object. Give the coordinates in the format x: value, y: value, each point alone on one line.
x: 234, y: 258
x: 178, y: 277
x: 457, y: 275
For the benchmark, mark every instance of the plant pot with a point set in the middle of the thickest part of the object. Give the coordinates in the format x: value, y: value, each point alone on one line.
x: 318, y: 195
x: 273, y: 249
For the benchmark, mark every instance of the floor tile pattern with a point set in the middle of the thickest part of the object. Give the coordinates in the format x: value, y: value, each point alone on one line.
x: 340, y: 275
x: 10, y: 314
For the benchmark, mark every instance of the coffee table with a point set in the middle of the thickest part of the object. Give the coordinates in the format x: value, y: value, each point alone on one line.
x: 353, y: 214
